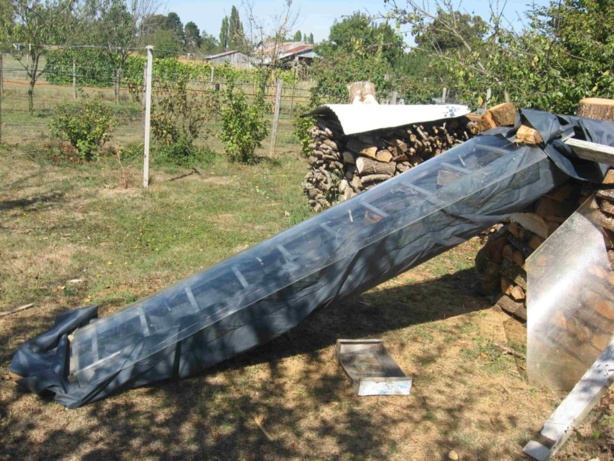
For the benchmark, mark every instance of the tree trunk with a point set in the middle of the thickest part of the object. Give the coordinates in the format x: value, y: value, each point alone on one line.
x: 33, y: 74
x: 596, y: 108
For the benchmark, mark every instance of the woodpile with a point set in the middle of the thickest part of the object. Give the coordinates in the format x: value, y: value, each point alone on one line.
x: 344, y: 166
x: 341, y: 166
x: 501, y: 262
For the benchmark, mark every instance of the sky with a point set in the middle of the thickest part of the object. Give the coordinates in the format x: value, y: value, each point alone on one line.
x: 316, y: 16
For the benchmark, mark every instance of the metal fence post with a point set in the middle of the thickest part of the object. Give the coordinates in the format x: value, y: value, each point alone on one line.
x: 148, y: 73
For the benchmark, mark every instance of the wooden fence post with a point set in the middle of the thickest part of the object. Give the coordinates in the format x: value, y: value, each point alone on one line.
x: 1, y: 92
x: 117, y: 73
x: 148, y: 73
x: 74, y: 78
x: 278, y: 89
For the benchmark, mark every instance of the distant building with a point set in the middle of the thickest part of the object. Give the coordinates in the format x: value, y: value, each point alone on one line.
x: 286, y: 53
x: 232, y: 57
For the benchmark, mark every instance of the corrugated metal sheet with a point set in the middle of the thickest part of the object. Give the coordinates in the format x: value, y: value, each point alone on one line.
x: 360, y: 118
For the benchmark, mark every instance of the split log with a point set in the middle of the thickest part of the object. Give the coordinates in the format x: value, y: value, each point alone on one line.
x: 512, y: 307
x: 374, y: 178
x: 528, y: 135
x: 383, y: 156
x: 503, y: 114
x: 366, y: 166
x: 532, y: 222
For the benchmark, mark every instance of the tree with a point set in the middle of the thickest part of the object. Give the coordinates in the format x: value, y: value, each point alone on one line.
x: 110, y: 25
x: 549, y: 65
x: 38, y: 24
x: 298, y: 37
x: 173, y: 24
x: 192, y: 35
x: 577, y: 27
x: 209, y: 43
x: 236, y: 34
x: 359, y: 34
x: 6, y: 21
x: 149, y: 26
x: 435, y: 34
x: 225, y: 34
x: 310, y: 40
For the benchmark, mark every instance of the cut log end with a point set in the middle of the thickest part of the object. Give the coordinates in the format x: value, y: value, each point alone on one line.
x: 597, y: 108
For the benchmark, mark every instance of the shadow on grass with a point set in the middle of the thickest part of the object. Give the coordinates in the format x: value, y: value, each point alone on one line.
x: 257, y: 406
x: 27, y: 202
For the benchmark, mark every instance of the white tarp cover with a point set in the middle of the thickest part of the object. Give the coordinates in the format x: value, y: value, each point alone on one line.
x: 360, y: 118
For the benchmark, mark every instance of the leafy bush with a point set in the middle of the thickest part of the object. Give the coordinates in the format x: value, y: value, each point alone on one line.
x: 179, y: 118
x: 302, y: 125
x: 87, y: 126
x: 244, y: 124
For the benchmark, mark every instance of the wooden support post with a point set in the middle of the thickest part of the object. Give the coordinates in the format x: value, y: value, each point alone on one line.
x: 117, y: 72
x: 74, y: 78
x: 592, y: 151
x: 278, y: 89
x: 444, y: 95
x: 1, y: 92
x: 292, y: 99
x: 148, y: 76
x: 394, y: 98
x: 292, y: 96
x: 570, y: 413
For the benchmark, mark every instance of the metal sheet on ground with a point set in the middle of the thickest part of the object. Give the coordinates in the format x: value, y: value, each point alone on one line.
x: 371, y: 369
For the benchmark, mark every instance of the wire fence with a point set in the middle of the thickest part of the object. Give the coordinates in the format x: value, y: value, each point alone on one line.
x: 26, y: 111
x: 123, y: 93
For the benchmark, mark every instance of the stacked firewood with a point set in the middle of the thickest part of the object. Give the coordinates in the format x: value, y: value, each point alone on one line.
x: 501, y: 262
x: 344, y: 166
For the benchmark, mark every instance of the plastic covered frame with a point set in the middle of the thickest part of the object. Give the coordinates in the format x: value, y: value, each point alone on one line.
x: 268, y: 289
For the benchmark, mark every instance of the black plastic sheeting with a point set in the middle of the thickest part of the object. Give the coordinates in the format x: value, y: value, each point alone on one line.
x: 265, y: 291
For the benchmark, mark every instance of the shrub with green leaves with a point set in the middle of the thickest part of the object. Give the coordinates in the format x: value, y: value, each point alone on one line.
x: 86, y: 125
x: 244, y: 124
x: 179, y: 117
